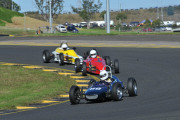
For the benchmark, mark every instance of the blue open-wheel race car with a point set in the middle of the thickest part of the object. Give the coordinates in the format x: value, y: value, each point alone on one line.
x: 102, y: 90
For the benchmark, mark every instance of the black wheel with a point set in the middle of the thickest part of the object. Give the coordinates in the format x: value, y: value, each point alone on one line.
x: 77, y: 65
x: 84, y: 70
x: 116, y: 66
x: 61, y: 59
x: 74, y: 95
x: 117, y: 92
x: 46, y: 56
x: 91, y: 83
x: 86, y: 54
x: 132, y: 86
x: 108, y: 60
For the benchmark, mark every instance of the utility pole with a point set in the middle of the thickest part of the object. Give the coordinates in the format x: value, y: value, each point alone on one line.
x: 12, y: 6
x: 162, y: 12
x: 24, y: 21
x: 120, y: 19
x: 107, y: 16
x: 50, y: 16
x: 157, y: 13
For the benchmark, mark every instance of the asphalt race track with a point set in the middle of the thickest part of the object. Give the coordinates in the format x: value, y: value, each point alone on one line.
x: 157, y: 72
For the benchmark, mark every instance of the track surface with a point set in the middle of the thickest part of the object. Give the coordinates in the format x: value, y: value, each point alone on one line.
x: 157, y: 72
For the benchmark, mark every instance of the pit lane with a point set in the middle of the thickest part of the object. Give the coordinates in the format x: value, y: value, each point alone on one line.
x: 156, y: 71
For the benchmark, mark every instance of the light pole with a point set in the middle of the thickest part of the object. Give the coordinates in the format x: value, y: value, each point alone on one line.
x: 107, y: 16
x: 50, y: 16
x: 12, y: 6
x: 24, y: 21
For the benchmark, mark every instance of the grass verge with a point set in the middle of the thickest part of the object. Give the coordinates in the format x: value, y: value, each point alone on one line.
x: 95, y: 32
x: 16, y: 32
x: 21, y: 86
x: 82, y: 32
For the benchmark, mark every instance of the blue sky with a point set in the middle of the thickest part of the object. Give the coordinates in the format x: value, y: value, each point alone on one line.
x: 29, y: 5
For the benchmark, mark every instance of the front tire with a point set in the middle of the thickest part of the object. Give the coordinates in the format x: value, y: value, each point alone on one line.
x: 117, y: 92
x: 61, y: 59
x: 77, y: 65
x: 108, y: 60
x: 74, y: 95
x: 84, y: 69
x: 132, y: 86
x: 46, y: 56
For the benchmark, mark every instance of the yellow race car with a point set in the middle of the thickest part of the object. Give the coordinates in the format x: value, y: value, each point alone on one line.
x: 62, y: 55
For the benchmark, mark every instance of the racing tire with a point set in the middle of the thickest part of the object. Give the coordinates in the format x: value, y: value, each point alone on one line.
x: 132, y: 86
x: 108, y: 60
x: 46, y: 56
x: 91, y: 83
x: 117, y: 92
x: 86, y: 54
x: 61, y: 59
x: 77, y: 65
x: 74, y: 95
x: 116, y: 66
x: 84, y: 69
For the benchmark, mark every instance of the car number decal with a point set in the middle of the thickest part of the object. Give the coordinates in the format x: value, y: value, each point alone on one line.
x: 95, y: 88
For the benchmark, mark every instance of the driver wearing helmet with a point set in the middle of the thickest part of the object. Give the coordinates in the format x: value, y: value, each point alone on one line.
x: 104, y: 75
x: 64, y: 46
x: 93, y: 54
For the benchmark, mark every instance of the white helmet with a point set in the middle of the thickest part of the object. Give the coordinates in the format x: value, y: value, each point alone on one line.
x: 64, y: 46
x: 103, y: 75
x: 93, y: 53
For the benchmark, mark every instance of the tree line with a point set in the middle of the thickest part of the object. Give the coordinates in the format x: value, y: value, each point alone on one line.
x: 9, y: 4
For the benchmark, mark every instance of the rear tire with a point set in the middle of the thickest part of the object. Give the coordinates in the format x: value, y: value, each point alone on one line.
x: 61, y: 59
x: 84, y: 69
x: 46, y: 56
x: 117, y: 92
x: 77, y: 65
x: 132, y: 86
x: 116, y: 66
x: 74, y: 95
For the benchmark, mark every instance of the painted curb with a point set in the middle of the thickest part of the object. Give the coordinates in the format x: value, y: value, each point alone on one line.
x: 46, y: 103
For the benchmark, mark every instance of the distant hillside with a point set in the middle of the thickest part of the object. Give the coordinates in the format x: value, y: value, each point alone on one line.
x: 133, y: 15
x: 29, y: 23
x: 6, y: 15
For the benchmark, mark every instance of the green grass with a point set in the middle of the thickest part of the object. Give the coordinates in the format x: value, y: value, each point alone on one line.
x: 22, y: 86
x: 7, y: 15
x: 16, y: 32
x: 2, y: 23
x: 82, y: 32
x: 99, y: 31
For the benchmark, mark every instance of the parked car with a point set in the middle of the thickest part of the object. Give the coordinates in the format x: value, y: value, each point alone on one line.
x: 168, y: 28
x: 61, y: 28
x: 71, y: 28
x: 147, y: 30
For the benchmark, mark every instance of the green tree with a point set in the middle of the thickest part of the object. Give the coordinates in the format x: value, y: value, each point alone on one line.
x: 43, y: 8
x: 102, y: 14
x: 170, y: 11
x: 121, y: 17
x: 156, y: 23
x: 147, y: 23
x: 86, y: 12
x: 8, y: 4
